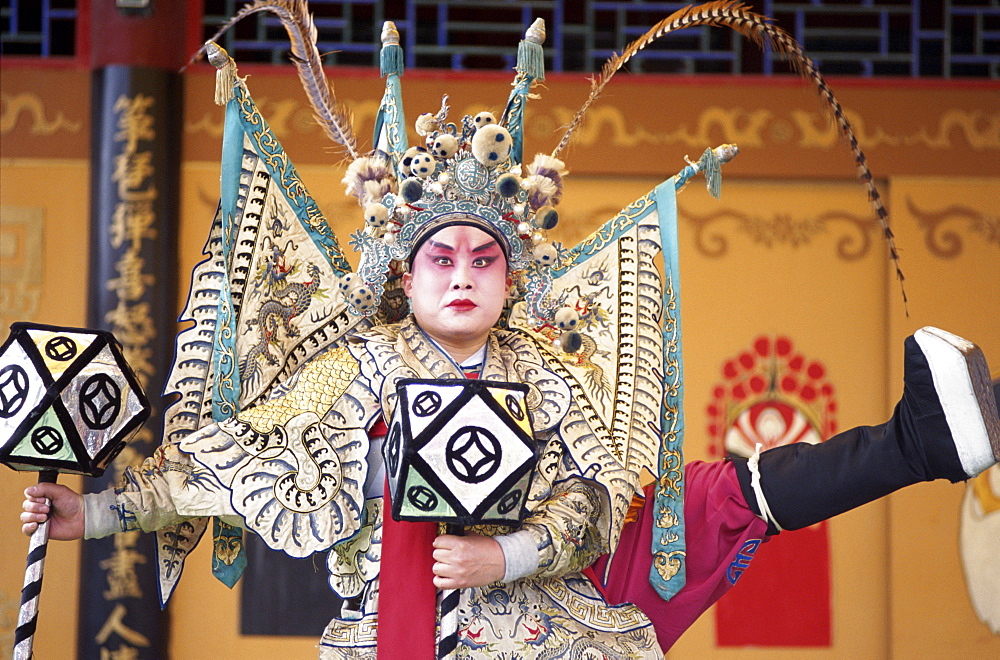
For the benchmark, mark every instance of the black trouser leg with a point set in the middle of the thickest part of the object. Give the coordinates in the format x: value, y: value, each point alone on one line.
x: 804, y: 483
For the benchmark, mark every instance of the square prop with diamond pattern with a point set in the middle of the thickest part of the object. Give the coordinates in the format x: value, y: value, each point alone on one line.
x: 460, y: 451
x: 68, y: 400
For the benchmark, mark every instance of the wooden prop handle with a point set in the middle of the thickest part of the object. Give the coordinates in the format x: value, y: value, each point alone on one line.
x: 24, y: 635
x: 448, y: 600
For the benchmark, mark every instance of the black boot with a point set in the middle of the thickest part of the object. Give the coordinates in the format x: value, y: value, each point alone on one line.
x: 945, y: 426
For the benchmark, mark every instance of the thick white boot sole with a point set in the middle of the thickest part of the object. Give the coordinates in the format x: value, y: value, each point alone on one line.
x: 962, y: 381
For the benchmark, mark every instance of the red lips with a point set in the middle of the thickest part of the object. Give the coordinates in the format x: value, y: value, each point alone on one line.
x: 462, y: 305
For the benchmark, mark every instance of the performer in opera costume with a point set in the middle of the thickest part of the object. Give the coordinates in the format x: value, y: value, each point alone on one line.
x: 457, y: 280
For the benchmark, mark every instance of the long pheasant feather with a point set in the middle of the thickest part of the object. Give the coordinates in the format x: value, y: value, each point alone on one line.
x: 334, y: 119
x: 734, y: 15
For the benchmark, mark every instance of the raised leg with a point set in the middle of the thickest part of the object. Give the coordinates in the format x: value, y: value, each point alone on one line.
x: 945, y: 426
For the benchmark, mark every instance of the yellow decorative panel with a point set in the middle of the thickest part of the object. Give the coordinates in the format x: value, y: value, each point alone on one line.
x: 21, y: 262
x: 642, y: 125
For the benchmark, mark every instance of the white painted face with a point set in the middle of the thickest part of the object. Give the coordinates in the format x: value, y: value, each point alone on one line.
x: 457, y: 286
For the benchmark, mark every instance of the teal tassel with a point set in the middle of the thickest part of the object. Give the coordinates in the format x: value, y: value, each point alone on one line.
x: 711, y: 167
x: 230, y: 557
x: 390, y: 60
x: 531, y: 59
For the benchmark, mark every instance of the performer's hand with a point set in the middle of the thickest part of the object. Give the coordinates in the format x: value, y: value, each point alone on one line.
x: 467, y: 561
x: 65, y: 506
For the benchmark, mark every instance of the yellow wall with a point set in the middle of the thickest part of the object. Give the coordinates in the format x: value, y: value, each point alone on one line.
x: 954, y: 247
x: 50, y: 278
x: 795, y: 252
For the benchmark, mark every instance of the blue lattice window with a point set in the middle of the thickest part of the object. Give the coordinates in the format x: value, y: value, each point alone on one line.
x: 42, y: 28
x: 914, y: 38
x: 959, y: 38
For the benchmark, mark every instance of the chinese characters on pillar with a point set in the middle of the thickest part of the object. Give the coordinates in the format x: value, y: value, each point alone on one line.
x: 133, y: 221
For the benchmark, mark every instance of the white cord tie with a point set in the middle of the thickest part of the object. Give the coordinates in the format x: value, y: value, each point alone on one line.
x: 765, y: 510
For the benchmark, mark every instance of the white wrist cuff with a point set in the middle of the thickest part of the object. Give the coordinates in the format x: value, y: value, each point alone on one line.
x: 520, y: 554
x: 99, y: 516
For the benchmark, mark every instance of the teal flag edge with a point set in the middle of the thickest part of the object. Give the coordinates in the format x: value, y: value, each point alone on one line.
x: 390, y: 134
x: 668, y: 547
x: 226, y: 389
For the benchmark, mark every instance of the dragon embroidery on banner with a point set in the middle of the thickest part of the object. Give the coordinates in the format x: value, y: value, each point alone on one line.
x: 591, y: 319
x: 284, y: 301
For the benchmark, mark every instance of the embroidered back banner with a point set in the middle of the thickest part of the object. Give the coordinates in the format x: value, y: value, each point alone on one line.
x: 260, y: 306
x: 136, y: 144
x: 628, y: 374
x: 460, y: 451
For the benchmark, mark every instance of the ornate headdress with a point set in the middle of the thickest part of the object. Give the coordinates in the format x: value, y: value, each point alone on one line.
x: 468, y: 172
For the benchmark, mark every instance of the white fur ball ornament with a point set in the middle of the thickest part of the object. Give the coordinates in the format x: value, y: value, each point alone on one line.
x: 545, y: 254
x: 376, y: 216
x: 407, y: 159
x: 445, y: 146
x: 491, y: 145
x: 423, y: 165
x: 347, y: 281
x: 484, y: 119
x: 426, y: 124
x: 567, y: 318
